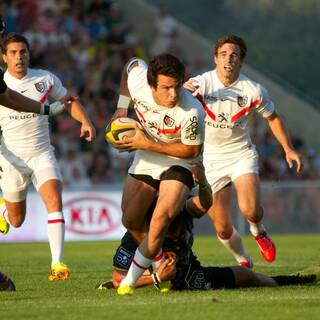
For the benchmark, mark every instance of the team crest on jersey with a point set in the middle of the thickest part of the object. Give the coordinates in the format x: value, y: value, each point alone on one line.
x: 242, y: 101
x: 40, y: 86
x: 169, y: 122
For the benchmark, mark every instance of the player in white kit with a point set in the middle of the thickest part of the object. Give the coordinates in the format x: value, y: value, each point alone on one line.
x: 228, y: 98
x: 165, y: 150
x: 26, y: 153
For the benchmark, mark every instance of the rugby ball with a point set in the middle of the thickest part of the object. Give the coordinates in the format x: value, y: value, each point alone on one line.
x: 121, y: 128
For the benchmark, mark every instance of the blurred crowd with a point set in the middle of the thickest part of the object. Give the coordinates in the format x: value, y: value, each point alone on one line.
x: 86, y: 44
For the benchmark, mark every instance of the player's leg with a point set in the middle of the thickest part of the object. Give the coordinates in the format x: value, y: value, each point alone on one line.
x: 174, y: 188
x: 245, y: 277
x: 50, y: 192
x: 138, y: 194
x: 248, y: 195
x: 47, y: 180
x: 14, y: 187
x: 220, y: 216
x: 248, y: 278
x: 13, y: 212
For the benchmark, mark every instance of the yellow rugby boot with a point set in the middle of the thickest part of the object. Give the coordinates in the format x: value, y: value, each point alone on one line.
x: 4, y: 225
x: 125, y: 290
x: 59, y: 271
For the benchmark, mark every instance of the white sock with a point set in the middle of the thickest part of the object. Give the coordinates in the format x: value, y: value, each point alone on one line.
x: 235, y: 246
x: 56, y: 230
x: 137, y: 267
x: 157, y: 261
x: 256, y: 228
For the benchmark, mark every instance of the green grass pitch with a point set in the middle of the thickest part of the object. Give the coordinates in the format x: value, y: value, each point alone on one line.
x: 90, y: 263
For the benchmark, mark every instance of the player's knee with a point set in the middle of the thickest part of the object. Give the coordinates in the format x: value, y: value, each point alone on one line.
x: 16, y: 221
x: 224, y: 234
x: 250, y: 211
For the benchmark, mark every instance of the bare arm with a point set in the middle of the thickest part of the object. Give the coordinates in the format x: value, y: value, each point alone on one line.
x: 78, y: 113
x: 281, y: 133
x: 14, y: 100
x: 198, y: 205
x: 166, y: 271
x: 140, y: 141
x: 124, y: 94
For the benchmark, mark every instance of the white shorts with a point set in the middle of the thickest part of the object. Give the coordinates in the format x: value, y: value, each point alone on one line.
x: 221, y: 172
x: 154, y: 164
x: 18, y: 173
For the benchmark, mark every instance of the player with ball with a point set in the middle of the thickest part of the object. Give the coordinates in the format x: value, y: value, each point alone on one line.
x: 170, y: 142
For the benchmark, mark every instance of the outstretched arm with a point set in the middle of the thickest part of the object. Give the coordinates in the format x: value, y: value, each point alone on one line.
x: 280, y: 131
x: 78, y: 113
x: 16, y: 101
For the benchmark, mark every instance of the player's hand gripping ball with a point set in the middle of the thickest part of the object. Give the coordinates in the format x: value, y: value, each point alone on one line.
x: 120, y: 128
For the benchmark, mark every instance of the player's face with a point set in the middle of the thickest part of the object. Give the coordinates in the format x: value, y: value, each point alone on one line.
x: 17, y: 59
x: 166, y: 93
x: 228, y: 63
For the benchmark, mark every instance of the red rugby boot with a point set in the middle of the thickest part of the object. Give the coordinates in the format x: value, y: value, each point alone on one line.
x: 267, y: 247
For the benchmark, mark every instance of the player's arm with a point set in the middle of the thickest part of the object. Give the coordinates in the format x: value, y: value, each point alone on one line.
x: 190, y: 146
x: 281, y: 133
x: 142, y: 142
x: 124, y: 94
x: 16, y: 101
x: 144, y: 280
x: 198, y: 205
x: 78, y: 113
x: 165, y: 272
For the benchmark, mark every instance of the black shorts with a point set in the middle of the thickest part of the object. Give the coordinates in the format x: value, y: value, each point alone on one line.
x: 196, y: 277
x: 177, y: 173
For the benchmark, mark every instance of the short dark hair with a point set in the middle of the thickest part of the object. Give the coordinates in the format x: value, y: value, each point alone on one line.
x: 232, y: 39
x: 165, y: 64
x: 13, y: 37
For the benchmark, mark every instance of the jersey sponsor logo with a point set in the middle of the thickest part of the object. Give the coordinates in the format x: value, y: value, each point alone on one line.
x: 144, y: 106
x: 223, y: 117
x: 123, y: 257
x: 210, y: 99
x: 192, y: 129
x: 242, y: 101
x: 40, y: 86
x: 24, y: 116
x: 220, y: 125
x: 91, y: 215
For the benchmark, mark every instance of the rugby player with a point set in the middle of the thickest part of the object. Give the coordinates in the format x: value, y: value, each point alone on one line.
x: 229, y: 156
x: 171, y: 140
x: 26, y: 153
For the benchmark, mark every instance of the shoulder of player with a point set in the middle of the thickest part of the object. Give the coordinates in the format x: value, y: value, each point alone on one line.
x: 135, y: 63
x: 40, y: 73
x: 187, y: 101
x: 249, y: 84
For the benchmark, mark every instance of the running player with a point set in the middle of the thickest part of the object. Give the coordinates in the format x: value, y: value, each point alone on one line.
x: 27, y: 155
x: 228, y: 98
x: 173, y: 122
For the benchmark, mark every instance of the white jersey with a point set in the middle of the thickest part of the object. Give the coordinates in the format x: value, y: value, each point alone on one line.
x: 182, y: 123
x: 227, y: 112
x: 26, y: 134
